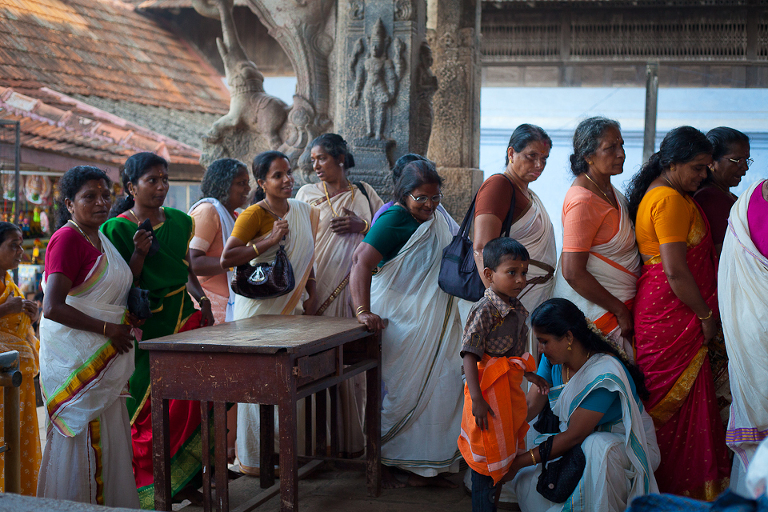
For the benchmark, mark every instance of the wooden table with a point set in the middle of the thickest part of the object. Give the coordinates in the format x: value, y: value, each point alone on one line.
x: 269, y: 360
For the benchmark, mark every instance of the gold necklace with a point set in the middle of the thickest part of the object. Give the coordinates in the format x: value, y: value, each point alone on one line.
x: 567, y: 373
x: 670, y: 184
x: 328, y: 197
x: 134, y: 216
x: 271, y: 210
x: 86, y: 236
x: 586, y: 175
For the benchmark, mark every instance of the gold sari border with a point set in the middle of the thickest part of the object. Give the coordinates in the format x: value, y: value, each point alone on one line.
x: 710, y: 490
x: 332, y: 296
x: 670, y: 404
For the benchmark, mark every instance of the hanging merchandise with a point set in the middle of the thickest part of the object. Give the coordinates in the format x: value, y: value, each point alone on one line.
x: 37, y: 189
x: 9, y: 186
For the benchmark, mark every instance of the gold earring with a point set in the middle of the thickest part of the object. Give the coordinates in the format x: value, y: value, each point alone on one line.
x: 569, y: 346
x: 589, y: 162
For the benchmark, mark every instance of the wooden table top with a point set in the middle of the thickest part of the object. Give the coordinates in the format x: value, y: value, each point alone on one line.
x: 263, y: 334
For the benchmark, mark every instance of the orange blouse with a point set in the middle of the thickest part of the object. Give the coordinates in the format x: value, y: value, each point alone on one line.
x: 588, y: 220
x: 665, y: 216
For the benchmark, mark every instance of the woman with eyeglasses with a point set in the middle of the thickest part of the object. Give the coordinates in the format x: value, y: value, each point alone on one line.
x: 527, y: 154
x: 676, y: 315
x: 730, y: 161
x: 422, y: 388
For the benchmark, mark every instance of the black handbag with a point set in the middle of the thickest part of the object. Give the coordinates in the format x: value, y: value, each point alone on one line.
x: 560, y: 478
x: 458, y: 271
x: 265, y: 280
x: 547, y: 422
x: 138, y: 303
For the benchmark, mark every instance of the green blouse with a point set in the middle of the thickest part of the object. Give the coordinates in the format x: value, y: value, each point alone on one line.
x: 391, y: 232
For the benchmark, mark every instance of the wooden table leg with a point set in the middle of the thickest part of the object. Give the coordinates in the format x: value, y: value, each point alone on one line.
x: 220, y: 450
x: 266, y: 445
x: 289, y: 472
x: 335, y: 422
x: 308, y: 425
x: 321, y: 407
x: 205, y: 434
x: 373, y: 418
x: 161, y: 450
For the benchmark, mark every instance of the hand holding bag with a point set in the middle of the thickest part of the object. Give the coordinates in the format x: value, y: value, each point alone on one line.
x: 265, y: 280
x: 458, y: 271
x: 138, y: 303
x: 560, y: 478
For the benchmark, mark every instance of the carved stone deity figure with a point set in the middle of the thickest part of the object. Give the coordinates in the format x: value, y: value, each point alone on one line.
x: 376, y: 77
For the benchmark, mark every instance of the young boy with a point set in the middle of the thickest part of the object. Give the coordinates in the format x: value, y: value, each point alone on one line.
x: 493, y: 425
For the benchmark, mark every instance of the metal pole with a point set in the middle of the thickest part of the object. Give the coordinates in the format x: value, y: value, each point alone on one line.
x: 651, y: 100
x: 17, y: 173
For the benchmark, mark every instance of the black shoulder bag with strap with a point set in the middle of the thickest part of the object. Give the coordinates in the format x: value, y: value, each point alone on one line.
x: 458, y: 271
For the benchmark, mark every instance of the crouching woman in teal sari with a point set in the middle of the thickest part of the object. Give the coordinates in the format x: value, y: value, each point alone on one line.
x: 596, y: 396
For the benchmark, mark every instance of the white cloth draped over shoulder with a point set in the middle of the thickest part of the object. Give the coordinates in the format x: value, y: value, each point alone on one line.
x: 621, y: 457
x: 300, y: 249
x: 227, y: 223
x: 84, y: 381
x: 742, y: 289
x: 422, y: 394
x: 333, y: 253
x: 616, y: 266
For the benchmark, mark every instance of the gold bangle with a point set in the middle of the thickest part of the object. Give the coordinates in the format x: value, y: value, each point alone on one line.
x: 104, y: 332
x: 702, y: 318
x: 366, y: 228
x: 311, y: 279
x: 533, y: 456
x: 201, y: 299
x: 255, y: 249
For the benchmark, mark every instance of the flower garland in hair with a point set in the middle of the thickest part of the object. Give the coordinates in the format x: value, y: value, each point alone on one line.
x: 592, y: 327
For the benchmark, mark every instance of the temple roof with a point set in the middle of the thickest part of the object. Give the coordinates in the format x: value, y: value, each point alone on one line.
x: 106, y: 49
x: 52, y: 122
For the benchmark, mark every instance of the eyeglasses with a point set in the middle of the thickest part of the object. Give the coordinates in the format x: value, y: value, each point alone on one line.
x: 423, y: 199
x: 737, y: 161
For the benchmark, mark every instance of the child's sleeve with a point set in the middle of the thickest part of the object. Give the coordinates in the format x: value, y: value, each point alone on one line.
x: 473, y: 339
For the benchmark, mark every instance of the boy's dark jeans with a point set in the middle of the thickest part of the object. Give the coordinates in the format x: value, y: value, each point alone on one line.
x: 483, y: 493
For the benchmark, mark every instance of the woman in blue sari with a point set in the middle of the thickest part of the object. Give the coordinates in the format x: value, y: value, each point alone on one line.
x: 596, y: 395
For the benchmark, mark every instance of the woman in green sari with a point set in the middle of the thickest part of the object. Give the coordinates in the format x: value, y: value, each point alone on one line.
x: 167, y: 276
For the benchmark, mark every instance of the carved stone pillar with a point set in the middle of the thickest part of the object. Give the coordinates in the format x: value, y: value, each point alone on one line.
x: 453, y: 30
x: 383, y: 84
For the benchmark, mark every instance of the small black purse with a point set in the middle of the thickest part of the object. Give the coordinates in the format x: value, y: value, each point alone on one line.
x: 138, y: 303
x: 547, y: 422
x: 558, y: 480
x: 265, y: 280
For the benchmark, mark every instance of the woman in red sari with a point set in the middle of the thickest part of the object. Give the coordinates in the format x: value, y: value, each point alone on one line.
x: 676, y: 315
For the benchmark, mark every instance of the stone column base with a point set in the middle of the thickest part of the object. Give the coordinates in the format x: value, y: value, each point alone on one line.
x: 459, y: 187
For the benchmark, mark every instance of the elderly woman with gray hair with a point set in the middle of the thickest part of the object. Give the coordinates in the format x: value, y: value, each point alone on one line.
x: 600, y: 263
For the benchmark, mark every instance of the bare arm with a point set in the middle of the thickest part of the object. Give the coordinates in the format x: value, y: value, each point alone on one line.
x: 585, y: 284
x: 203, y: 265
x: 311, y: 304
x: 236, y: 252
x: 196, y: 291
x: 673, y: 259
x: 55, y: 308
x: 487, y: 227
x: 535, y: 400
x: 364, y: 260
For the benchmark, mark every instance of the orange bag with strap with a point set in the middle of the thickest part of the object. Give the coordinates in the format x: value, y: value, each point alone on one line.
x: 491, y: 452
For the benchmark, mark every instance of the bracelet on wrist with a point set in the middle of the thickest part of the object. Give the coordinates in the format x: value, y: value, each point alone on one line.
x: 533, y: 457
x: 202, y: 299
x: 255, y: 250
x: 366, y: 228
x: 702, y: 318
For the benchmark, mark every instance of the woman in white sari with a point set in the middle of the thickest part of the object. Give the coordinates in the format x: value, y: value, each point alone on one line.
x: 259, y: 231
x: 422, y: 386
x: 742, y: 285
x: 600, y: 262
x: 527, y: 154
x: 346, y: 212
x: 86, y: 353
x: 596, y: 395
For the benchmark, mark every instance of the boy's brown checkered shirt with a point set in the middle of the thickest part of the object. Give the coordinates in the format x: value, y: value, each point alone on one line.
x: 495, y: 328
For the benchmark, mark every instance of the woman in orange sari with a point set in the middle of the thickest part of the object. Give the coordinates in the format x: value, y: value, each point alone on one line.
x: 676, y: 316
x: 16, y: 315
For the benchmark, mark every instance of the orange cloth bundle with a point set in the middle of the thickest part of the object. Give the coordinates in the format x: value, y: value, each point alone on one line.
x: 491, y: 452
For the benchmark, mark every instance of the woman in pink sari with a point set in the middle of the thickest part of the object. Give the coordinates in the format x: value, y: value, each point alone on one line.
x: 676, y: 317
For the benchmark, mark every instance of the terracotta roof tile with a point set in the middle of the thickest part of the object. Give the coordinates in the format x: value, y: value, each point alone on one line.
x: 56, y: 123
x: 106, y: 49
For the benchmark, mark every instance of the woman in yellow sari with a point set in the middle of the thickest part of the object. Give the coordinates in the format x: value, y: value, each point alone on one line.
x: 16, y: 316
